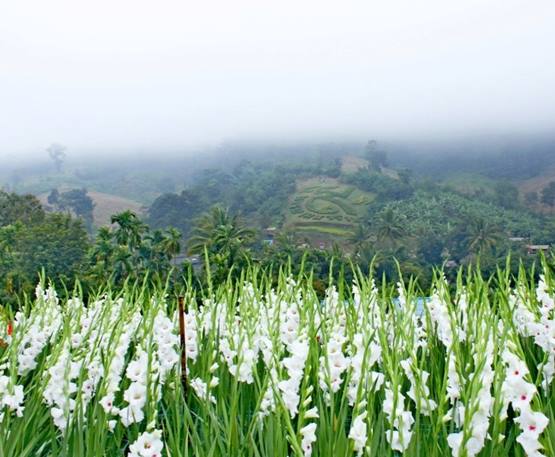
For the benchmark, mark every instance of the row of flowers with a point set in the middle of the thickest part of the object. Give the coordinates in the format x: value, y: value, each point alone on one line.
x: 470, y: 366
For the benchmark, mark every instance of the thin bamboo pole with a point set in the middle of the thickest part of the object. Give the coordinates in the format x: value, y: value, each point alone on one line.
x: 182, y: 330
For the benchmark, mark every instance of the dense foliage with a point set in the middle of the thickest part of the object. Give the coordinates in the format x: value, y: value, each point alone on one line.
x: 76, y: 201
x: 385, y: 187
x: 257, y: 191
x: 32, y: 241
x: 319, y: 207
x: 446, y: 215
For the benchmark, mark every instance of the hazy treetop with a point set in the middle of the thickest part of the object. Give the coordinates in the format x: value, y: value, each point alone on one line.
x: 168, y: 73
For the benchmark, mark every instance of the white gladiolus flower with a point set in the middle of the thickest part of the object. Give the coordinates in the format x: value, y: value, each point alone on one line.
x: 400, y: 434
x: 478, y: 421
x: 136, y: 370
x: 358, y: 433
x: 147, y: 445
x: 311, y: 413
x: 453, y: 381
x: 518, y: 392
x: 532, y: 423
x: 37, y: 330
x: 135, y: 395
x: 246, y: 366
x: 294, y: 364
x: 268, y: 403
x: 368, y: 357
x: 399, y: 439
x: 130, y: 415
x: 308, y: 433
x: 418, y: 379
x: 166, y: 340
x: 289, y: 393
x: 333, y: 364
x: 530, y: 444
x: 11, y: 396
x: 191, y: 338
x: 439, y: 314
x: 201, y: 389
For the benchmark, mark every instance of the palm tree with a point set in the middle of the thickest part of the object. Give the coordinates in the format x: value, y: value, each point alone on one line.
x: 481, y: 236
x: 171, y: 244
x: 103, y: 247
x: 361, y: 234
x: 150, y: 253
x: 130, y: 228
x: 390, y: 228
x: 122, y: 262
x: 217, y: 229
x: 221, y: 234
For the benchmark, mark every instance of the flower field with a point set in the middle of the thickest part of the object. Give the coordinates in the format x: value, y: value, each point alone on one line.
x: 272, y: 370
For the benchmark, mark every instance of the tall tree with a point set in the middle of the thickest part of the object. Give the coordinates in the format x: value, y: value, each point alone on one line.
x: 53, y: 197
x: 376, y: 156
x: 129, y: 228
x: 482, y: 236
x: 57, y: 244
x: 390, y: 228
x: 102, y: 248
x: 224, y: 236
x: 78, y: 201
x: 57, y: 153
x: 23, y: 208
x: 361, y: 235
x: 171, y: 242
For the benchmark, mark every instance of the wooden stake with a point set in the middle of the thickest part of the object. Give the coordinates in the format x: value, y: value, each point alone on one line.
x: 183, y: 344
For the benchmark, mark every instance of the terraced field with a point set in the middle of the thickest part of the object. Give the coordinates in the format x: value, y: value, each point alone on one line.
x: 324, y: 206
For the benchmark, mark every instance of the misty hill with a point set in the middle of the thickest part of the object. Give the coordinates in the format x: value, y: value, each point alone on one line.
x: 510, y: 158
x: 269, y: 184
x: 353, y: 202
x: 345, y: 199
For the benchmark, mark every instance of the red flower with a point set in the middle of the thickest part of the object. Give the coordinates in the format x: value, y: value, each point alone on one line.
x: 10, y: 328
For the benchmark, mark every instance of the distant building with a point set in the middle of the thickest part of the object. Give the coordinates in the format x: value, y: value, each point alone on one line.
x: 535, y: 248
x: 269, y: 235
x: 517, y: 239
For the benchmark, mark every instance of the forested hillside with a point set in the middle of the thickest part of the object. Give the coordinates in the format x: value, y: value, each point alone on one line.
x: 348, y: 202
x: 326, y: 202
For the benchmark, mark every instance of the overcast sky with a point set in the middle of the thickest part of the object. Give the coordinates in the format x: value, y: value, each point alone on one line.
x: 128, y: 73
